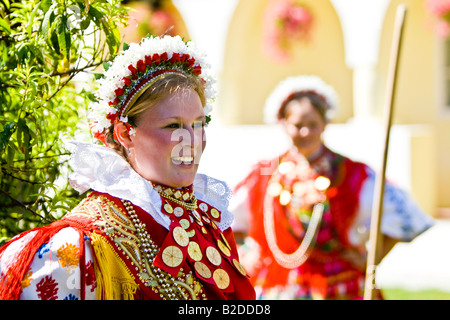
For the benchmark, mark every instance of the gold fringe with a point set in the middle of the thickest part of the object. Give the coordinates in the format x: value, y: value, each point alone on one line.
x: 114, y: 280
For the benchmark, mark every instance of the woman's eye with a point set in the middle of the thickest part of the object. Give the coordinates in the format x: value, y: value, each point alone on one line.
x: 199, y: 124
x: 173, y: 126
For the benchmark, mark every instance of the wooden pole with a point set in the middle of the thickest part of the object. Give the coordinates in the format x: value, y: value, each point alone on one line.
x: 375, y: 240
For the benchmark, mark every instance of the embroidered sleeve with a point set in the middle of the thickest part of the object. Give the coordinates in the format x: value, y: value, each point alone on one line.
x: 402, y: 218
x: 55, y: 272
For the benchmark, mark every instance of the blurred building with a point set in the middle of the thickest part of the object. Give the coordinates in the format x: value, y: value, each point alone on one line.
x: 348, y: 44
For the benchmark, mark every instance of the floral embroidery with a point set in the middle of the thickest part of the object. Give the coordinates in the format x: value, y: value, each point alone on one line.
x: 68, y: 256
x: 43, y: 249
x: 71, y: 297
x: 47, y: 289
x: 27, y: 279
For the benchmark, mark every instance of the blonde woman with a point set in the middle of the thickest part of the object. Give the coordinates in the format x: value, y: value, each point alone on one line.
x: 150, y: 226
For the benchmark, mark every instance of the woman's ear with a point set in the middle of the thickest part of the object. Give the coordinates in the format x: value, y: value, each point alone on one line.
x: 121, y: 135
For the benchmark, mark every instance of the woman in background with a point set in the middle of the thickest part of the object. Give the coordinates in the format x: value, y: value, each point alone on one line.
x: 308, y: 218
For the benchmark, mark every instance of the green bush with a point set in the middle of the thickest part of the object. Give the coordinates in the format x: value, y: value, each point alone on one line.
x: 48, y: 52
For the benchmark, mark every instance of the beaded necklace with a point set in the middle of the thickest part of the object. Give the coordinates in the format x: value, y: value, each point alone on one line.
x: 184, y: 197
x: 276, y: 190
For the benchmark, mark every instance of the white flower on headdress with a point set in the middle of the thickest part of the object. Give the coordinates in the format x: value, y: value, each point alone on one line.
x: 297, y: 84
x: 102, y: 112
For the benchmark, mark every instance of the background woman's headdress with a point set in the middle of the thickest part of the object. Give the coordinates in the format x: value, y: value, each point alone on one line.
x: 136, y: 68
x: 298, y: 84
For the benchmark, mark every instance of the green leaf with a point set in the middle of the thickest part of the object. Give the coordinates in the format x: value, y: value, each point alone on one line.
x: 48, y: 19
x: 23, y: 138
x: 64, y: 37
x: 4, y: 25
x: 106, y: 65
x: 6, y: 134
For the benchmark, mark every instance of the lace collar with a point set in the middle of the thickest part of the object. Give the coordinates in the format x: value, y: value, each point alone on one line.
x: 101, y: 169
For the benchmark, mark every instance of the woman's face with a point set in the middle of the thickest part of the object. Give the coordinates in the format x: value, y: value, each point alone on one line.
x: 304, y: 125
x: 169, y: 140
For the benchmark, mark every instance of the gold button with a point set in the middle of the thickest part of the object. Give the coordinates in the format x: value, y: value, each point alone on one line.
x: 213, y: 256
x: 202, y: 269
x: 181, y: 237
x: 194, y: 251
x: 221, y: 278
x: 172, y: 256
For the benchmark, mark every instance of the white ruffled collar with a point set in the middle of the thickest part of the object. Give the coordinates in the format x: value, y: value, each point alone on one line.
x: 101, y: 169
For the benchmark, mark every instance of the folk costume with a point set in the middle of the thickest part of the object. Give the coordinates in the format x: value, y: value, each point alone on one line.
x: 309, y: 218
x: 130, y: 238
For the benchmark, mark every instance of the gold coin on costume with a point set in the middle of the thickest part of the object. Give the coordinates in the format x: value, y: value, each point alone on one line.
x: 196, y: 214
x: 240, y: 267
x: 178, y: 211
x: 221, y: 278
x: 168, y: 208
x: 172, y: 256
x: 225, y: 241
x: 223, y: 248
x: 213, y: 256
x: 191, y: 233
x: 206, y: 219
x: 185, y: 223
x: 181, y: 237
x: 203, y: 207
x: 215, y: 213
x: 194, y: 251
x: 204, y: 230
x: 202, y: 269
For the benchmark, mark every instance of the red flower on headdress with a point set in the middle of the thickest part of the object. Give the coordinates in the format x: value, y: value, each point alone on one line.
x: 156, y: 58
x: 119, y: 91
x: 197, y: 70
x: 111, y: 117
x: 141, y: 66
x: 115, y: 101
x: 132, y: 69
x: 176, y: 57
x: 148, y: 60
x: 127, y: 81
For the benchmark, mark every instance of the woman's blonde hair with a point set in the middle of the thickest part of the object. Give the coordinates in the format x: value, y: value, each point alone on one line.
x: 158, y: 91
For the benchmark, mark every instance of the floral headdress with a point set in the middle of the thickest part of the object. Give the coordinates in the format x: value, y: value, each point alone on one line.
x: 135, y: 69
x: 298, y: 84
